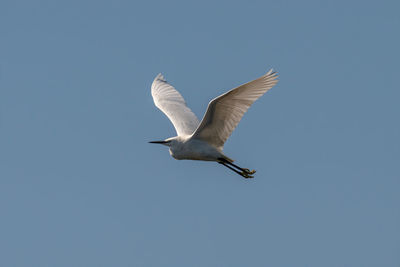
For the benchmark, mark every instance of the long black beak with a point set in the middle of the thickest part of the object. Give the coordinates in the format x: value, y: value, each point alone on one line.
x: 158, y: 142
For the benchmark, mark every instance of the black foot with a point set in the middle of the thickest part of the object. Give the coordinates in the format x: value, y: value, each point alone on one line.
x: 248, y: 171
x: 246, y: 175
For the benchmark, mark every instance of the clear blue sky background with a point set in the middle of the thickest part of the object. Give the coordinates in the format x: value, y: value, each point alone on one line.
x: 80, y: 185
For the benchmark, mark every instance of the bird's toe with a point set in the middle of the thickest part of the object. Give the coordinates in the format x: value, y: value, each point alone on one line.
x: 245, y: 170
x: 246, y: 175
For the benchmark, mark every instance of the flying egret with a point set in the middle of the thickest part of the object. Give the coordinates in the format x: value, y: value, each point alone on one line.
x: 205, y: 140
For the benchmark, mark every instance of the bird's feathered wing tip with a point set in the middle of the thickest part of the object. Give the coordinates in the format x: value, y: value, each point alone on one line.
x: 271, y: 75
x: 160, y: 77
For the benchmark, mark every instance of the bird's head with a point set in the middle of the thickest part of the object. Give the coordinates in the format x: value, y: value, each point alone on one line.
x: 166, y: 142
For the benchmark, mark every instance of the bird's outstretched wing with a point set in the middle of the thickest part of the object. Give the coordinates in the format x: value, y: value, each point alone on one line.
x: 171, y: 102
x: 225, y: 111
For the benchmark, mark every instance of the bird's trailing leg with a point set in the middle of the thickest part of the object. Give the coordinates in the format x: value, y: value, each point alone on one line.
x: 236, y: 166
x: 246, y: 173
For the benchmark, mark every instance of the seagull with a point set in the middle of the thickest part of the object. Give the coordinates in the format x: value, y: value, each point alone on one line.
x: 205, y: 140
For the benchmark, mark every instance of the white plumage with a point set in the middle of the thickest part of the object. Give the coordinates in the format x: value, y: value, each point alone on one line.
x: 205, y: 140
x: 170, y: 101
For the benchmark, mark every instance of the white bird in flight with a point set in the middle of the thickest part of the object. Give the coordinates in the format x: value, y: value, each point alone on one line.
x: 205, y: 140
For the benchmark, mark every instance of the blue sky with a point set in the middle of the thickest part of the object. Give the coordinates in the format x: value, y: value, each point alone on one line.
x: 80, y: 185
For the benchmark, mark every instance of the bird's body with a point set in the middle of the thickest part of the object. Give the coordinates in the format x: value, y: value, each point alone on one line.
x: 204, y: 140
x: 186, y: 147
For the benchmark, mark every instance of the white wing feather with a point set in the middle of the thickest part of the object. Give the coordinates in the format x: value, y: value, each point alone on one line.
x: 171, y: 102
x: 225, y: 111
